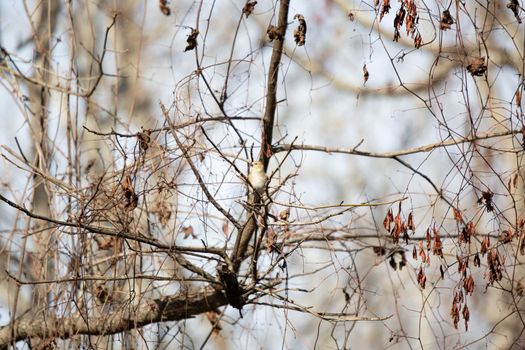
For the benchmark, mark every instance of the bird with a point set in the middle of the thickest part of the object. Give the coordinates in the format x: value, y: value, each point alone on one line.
x: 257, y: 177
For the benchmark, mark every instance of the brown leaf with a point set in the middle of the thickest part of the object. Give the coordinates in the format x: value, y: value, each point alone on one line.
x: 485, y: 244
x: 466, y: 316
x: 131, y: 198
x: 427, y: 239
x: 163, y: 4
x: 384, y: 9
x: 248, y: 8
x: 274, y: 33
x: 225, y: 229
x: 446, y: 20
x: 410, y: 223
x: 423, y: 256
x: 398, y: 22
x: 188, y: 231
x: 388, y: 220
x: 106, y: 243
x: 418, y: 41
x: 379, y: 251
x: 477, y: 66
x: 514, y: 6
x: 468, y: 285
x: 506, y: 235
x: 144, y: 139
x: 299, y: 33
x: 284, y: 215
x: 477, y: 260
x: 366, y: 74
x: 486, y: 199
x: 457, y: 215
x: 438, y: 246
x: 398, y: 227
x: 191, y: 40
x: 421, y: 278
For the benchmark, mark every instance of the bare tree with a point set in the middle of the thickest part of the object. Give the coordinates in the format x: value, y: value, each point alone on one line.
x: 205, y: 174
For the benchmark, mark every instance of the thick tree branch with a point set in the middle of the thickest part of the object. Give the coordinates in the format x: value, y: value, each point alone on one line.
x: 273, y: 76
x: 173, y: 308
x: 245, y: 234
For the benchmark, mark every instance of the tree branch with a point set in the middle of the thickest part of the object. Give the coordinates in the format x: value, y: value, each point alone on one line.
x: 393, y: 154
x: 173, y: 308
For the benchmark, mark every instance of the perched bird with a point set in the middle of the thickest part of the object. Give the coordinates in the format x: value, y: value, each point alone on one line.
x: 257, y: 177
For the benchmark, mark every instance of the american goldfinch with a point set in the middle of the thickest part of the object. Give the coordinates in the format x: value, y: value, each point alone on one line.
x: 257, y: 177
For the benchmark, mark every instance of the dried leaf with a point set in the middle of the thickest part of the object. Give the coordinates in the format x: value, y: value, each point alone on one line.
x: 106, y: 243
x: 274, y: 33
x: 457, y: 215
x: 398, y: 22
x: 284, y: 215
x: 225, y: 229
x: 191, y: 40
x: 446, y: 20
x: 188, y: 231
x: 248, y: 8
x: 506, y: 235
x: 384, y: 9
x: 299, y: 33
x: 398, y: 227
x: 477, y: 66
x: 468, y: 285
x: 477, y: 260
x: 454, y: 313
x: 438, y: 246
x: 421, y: 278
x: 144, y: 139
x: 410, y: 223
x: 379, y: 251
x: 486, y: 199
x: 163, y: 4
x: 466, y: 316
x: 388, y: 220
x: 485, y: 244
x: 514, y: 6
x: 131, y: 198
x: 418, y: 41
x: 366, y: 74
